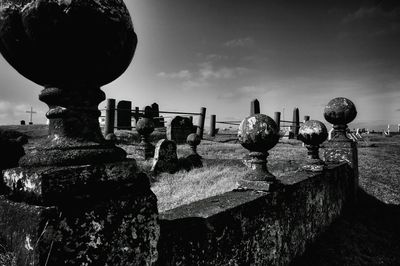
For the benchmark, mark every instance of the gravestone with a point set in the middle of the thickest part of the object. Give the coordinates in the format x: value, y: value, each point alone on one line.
x: 124, y: 115
x: 254, y: 107
x: 156, y: 113
x: 296, y: 123
x: 22, y: 122
x: 165, y: 157
x: 179, y: 128
x: 148, y: 112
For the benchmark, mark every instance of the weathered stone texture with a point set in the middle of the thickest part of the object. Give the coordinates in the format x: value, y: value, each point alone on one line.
x: 178, y: 129
x: 250, y: 228
x: 106, y: 214
x: 165, y: 157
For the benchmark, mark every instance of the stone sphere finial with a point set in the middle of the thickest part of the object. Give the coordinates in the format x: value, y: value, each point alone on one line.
x: 258, y: 133
x: 71, y: 48
x: 313, y: 133
x: 340, y: 111
x: 193, y: 139
x: 145, y: 126
x: 67, y: 43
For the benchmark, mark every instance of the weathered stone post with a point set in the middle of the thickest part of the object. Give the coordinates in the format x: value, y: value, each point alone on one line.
x: 254, y: 107
x: 258, y: 133
x: 312, y: 133
x: 296, y: 122
x: 145, y: 126
x: 75, y: 199
x: 213, y: 119
x: 339, y: 112
x: 200, y: 124
x: 277, y: 119
x: 156, y: 113
x: 306, y: 118
x: 110, y: 117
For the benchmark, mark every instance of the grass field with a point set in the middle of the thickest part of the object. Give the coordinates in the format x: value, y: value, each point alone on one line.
x: 367, y: 234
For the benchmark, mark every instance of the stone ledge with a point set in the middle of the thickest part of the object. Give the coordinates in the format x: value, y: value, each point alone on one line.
x: 248, y: 227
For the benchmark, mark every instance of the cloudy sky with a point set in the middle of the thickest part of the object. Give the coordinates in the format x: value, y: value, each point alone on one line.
x: 222, y: 54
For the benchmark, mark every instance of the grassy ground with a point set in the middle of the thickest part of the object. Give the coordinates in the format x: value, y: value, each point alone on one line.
x: 367, y: 234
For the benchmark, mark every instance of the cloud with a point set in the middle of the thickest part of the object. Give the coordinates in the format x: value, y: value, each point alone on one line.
x: 205, y: 73
x: 397, y: 110
x: 243, y: 42
x: 243, y: 92
x: 183, y: 74
x: 372, y: 13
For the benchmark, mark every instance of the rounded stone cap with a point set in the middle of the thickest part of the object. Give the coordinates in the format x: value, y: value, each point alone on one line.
x: 67, y: 43
x: 193, y: 139
x: 258, y: 133
x: 145, y: 126
x: 313, y: 132
x: 340, y: 111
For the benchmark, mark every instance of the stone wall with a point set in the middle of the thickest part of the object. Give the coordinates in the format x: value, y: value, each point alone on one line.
x: 255, y: 228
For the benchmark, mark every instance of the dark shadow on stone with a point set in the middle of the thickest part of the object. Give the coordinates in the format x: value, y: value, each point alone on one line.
x: 368, y: 233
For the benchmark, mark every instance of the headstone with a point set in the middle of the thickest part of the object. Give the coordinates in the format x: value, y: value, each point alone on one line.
x: 148, y: 112
x: 254, y: 107
x: 110, y: 117
x: 296, y: 122
x: 178, y: 129
x: 124, y: 115
x: 156, y: 113
x: 165, y: 157
x: 22, y: 122
x: 277, y: 119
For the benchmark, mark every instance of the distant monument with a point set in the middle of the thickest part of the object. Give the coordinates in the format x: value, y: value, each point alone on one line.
x: 31, y: 112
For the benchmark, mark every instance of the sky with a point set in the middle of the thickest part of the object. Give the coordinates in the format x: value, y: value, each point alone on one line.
x: 221, y: 54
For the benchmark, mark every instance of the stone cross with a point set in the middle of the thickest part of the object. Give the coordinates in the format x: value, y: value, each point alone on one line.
x: 31, y: 112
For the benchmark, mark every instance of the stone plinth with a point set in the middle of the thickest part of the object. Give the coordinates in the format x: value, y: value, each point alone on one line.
x: 102, y: 214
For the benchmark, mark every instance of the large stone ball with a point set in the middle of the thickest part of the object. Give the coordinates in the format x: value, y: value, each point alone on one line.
x: 193, y: 139
x: 313, y: 132
x: 258, y: 133
x: 340, y: 111
x: 67, y: 43
x: 145, y: 126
